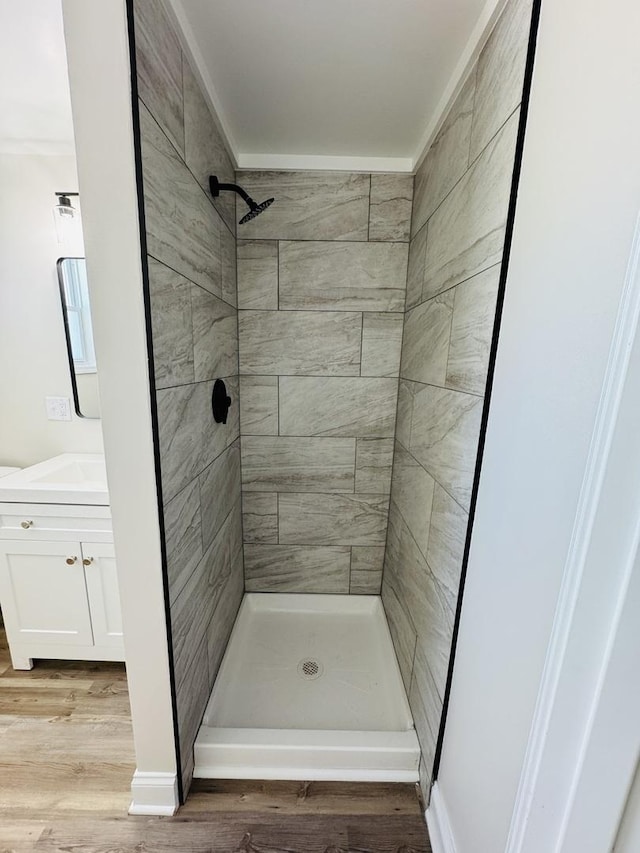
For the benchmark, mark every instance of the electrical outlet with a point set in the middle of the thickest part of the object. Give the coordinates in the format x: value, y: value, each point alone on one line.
x: 58, y: 408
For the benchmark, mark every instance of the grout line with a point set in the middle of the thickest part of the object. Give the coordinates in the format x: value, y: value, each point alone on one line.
x: 181, y: 157
x: 369, y: 218
x: 191, y: 281
x: 472, y: 163
x: 367, y: 309
x: 334, y: 241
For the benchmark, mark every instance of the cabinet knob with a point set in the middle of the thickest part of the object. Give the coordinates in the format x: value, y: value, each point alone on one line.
x: 87, y: 561
x: 26, y: 524
x: 71, y: 560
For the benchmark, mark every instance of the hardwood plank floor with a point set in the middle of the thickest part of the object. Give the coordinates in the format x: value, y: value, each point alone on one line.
x: 66, y: 761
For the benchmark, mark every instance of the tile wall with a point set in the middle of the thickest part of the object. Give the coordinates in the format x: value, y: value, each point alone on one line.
x: 461, y: 196
x: 321, y: 297
x: 192, y: 282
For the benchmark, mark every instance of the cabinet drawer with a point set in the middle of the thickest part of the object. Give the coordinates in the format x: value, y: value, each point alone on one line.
x: 55, y: 522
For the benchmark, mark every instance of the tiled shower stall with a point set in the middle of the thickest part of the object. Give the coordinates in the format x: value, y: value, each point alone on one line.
x: 351, y: 323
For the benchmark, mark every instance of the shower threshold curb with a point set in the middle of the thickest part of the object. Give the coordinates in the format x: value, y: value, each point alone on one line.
x: 306, y: 755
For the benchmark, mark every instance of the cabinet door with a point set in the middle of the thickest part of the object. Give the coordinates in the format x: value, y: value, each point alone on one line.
x: 104, y: 598
x: 43, y: 593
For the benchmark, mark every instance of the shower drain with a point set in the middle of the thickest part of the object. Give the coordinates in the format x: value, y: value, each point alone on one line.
x: 310, y: 669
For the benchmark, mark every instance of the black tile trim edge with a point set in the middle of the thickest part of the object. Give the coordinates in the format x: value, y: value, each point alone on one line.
x: 153, y: 401
x: 504, y: 269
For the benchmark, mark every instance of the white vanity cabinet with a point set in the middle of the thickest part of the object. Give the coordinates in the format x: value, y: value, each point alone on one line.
x: 58, y: 583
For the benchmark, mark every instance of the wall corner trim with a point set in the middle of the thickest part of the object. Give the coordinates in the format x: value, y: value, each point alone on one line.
x: 440, y: 834
x: 154, y: 793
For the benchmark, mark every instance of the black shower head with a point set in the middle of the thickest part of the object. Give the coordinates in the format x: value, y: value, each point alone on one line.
x: 254, y: 209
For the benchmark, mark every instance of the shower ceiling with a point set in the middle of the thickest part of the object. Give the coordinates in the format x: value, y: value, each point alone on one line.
x: 329, y: 78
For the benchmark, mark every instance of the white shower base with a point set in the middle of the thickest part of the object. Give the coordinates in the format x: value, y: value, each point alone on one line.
x: 309, y: 689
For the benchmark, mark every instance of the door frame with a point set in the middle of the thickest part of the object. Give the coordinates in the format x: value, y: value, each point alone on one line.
x: 584, y: 741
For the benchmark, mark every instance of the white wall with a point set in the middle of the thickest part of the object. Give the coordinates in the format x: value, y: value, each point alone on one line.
x: 99, y: 74
x: 628, y: 840
x: 33, y: 352
x: 577, y: 207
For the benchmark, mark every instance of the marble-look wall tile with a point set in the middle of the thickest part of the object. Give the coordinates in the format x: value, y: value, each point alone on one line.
x: 406, y: 393
x: 173, y: 197
x: 224, y: 617
x: 412, y: 494
x: 425, y: 769
x: 189, y: 437
x: 183, y: 537
x: 258, y: 274
x: 425, y: 347
x: 171, y: 325
x: 190, y: 615
x: 205, y: 150
x: 300, y: 342
x: 366, y: 569
x: 474, y: 315
x: 286, y: 568
x: 446, y: 543
x: 259, y: 405
x: 435, y: 633
x: 361, y: 406
x: 226, y: 544
x: 406, y: 570
x: 229, y: 267
x: 390, y: 207
x: 159, y: 68
x: 374, y: 460
x: 416, y: 266
x: 444, y: 437
x: 500, y: 73
x: 192, y: 697
x: 402, y: 631
x: 260, y: 517
x: 333, y: 519
x: 343, y: 276
x: 381, y: 344
x: 447, y: 158
x: 215, y: 336
x: 219, y: 491
x: 466, y: 233
x: 308, y: 205
x: 426, y: 706
x: 282, y: 464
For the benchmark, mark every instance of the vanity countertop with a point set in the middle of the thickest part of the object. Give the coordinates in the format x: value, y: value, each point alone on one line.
x: 71, y: 478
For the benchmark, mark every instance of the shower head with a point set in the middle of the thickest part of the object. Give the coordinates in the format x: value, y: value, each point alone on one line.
x: 254, y: 209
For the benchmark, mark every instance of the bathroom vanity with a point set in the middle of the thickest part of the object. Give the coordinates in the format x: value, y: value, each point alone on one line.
x: 58, y: 581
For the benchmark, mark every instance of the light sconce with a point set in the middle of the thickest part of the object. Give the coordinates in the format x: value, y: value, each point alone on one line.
x: 65, y: 217
x: 64, y: 208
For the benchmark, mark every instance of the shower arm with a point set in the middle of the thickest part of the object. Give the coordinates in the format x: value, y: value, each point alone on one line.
x: 215, y: 186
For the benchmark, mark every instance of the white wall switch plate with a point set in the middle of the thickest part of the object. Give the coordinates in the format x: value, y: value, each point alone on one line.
x: 58, y: 408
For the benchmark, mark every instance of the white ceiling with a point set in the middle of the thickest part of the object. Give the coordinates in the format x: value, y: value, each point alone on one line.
x: 35, y: 106
x: 330, y: 78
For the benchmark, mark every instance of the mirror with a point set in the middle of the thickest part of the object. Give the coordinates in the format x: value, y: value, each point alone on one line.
x: 76, y: 310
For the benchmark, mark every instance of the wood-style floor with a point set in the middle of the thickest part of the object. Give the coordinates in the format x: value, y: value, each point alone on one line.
x: 66, y: 761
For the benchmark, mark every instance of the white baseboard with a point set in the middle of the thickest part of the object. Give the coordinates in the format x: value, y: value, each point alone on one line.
x: 440, y: 834
x: 154, y: 793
